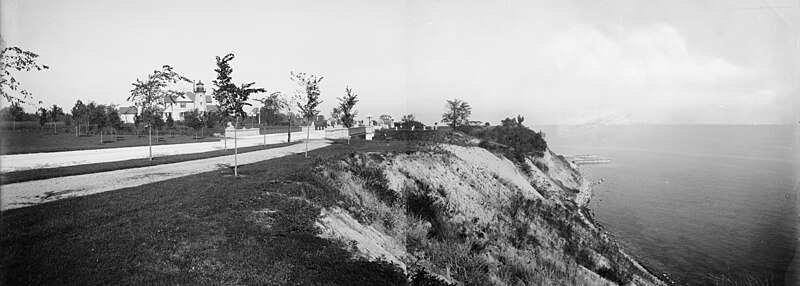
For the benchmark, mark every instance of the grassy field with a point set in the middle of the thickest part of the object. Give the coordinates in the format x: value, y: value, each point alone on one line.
x: 47, y: 173
x: 21, y: 142
x: 207, y: 229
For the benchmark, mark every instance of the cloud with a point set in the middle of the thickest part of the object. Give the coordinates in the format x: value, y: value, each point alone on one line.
x: 650, y: 71
x: 653, y: 54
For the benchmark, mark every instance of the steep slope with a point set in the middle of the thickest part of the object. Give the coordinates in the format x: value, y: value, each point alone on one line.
x: 463, y: 215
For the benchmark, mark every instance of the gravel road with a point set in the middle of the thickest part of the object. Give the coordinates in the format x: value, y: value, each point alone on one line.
x: 10, y: 163
x: 36, y: 192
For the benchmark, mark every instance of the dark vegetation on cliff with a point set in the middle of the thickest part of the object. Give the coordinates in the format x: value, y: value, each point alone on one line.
x: 505, y: 235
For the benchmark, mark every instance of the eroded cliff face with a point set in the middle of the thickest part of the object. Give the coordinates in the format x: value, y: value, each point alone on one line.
x: 464, y: 215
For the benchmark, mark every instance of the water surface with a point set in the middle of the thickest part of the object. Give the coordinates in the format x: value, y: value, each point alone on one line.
x: 695, y: 201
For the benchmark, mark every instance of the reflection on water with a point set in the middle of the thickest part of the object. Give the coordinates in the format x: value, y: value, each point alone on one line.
x: 696, y: 201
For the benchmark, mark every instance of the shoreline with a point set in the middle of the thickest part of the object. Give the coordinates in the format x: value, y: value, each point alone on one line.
x: 583, y: 199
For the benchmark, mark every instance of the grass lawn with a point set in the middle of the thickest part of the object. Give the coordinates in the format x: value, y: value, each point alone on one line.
x: 20, y: 142
x: 206, y: 229
x: 47, y: 173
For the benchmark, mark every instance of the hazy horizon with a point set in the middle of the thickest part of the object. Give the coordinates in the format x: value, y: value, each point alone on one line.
x: 554, y: 62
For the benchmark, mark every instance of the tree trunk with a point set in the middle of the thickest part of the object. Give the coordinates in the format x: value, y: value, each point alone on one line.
x: 14, y: 125
x: 101, y: 136
x: 289, y: 131
x: 150, y: 138
x: 308, y: 133
x: 235, y: 150
x: 76, y: 130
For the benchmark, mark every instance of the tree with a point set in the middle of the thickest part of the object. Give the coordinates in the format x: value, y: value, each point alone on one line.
x: 232, y: 99
x: 97, y: 116
x: 456, y: 113
x: 15, y: 112
x: 148, y: 95
x: 336, y: 115
x: 114, y: 120
x: 210, y: 118
x: 346, y: 105
x: 15, y: 58
x: 170, y: 123
x: 310, y: 84
x: 408, y: 118
x: 386, y: 119
x: 54, y: 113
x: 78, y: 115
x: 194, y: 120
x: 409, y: 122
x: 42, y: 112
x: 89, y: 110
x: 271, y: 107
x: 137, y: 120
x: 158, y: 123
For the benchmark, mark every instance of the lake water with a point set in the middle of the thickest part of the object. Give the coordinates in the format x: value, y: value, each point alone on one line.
x: 695, y: 201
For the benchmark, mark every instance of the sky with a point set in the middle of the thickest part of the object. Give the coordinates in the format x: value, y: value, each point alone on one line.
x: 553, y: 62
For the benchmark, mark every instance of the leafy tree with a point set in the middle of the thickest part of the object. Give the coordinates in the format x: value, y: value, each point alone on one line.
x: 517, y: 141
x: 513, y: 122
x: 456, y: 113
x: 385, y: 119
x: 137, y: 120
x: 114, y: 120
x: 310, y: 84
x: 15, y: 58
x: 170, y: 123
x: 210, y: 118
x: 78, y: 115
x: 336, y: 115
x: 148, y: 95
x: 158, y: 122
x: 54, y: 114
x: 408, y: 118
x: 42, y: 112
x: 271, y: 107
x: 346, y: 105
x: 232, y: 99
x: 194, y: 120
x: 15, y: 112
x: 97, y: 116
x: 89, y: 110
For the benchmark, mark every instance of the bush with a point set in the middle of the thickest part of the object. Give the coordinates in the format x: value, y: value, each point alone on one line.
x: 375, y: 181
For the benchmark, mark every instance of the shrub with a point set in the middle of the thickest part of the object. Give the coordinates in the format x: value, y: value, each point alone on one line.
x: 375, y: 181
x: 422, y: 277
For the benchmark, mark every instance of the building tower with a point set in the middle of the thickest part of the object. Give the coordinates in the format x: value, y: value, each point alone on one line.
x: 199, y: 96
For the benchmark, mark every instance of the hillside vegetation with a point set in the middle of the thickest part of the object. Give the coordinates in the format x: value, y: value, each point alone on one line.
x: 460, y: 214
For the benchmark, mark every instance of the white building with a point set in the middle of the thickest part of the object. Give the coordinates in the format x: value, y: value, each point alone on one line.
x: 127, y: 113
x: 178, y: 105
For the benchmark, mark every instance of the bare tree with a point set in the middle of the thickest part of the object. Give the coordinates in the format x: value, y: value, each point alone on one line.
x: 310, y: 85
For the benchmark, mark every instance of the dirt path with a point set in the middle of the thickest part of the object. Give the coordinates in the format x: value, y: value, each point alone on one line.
x: 36, y: 192
x: 10, y: 163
